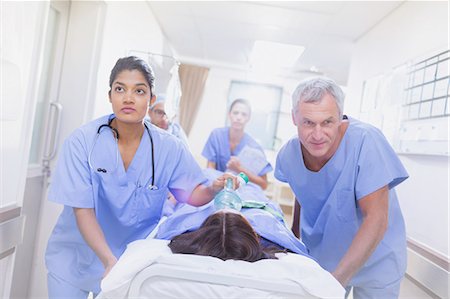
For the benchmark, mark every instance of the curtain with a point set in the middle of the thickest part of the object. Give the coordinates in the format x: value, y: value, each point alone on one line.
x: 173, y: 94
x: 193, y: 79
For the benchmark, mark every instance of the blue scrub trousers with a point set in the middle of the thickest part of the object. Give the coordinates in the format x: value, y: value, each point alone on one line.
x: 59, y: 288
x: 390, y: 291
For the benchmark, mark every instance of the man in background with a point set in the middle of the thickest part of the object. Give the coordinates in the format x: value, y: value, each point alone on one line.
x: 159, y: 118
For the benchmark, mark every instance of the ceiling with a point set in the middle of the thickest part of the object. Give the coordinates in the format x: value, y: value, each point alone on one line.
x: 222, y: 33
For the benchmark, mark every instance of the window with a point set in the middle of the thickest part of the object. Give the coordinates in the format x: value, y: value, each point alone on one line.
x: 265, y: 100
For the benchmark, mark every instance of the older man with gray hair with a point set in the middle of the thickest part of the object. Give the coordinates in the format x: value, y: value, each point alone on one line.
x: 343, y: 173
x: 159, y: 118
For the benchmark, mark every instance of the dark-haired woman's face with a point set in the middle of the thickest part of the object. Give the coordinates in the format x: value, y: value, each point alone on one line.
x: 130, y: 96
x: 239, y: 116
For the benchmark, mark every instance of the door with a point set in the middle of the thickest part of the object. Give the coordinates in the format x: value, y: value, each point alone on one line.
x: 44, y: 141
x: 65, y: 95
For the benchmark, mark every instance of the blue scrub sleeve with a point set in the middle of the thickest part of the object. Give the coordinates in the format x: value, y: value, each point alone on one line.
x: 186, y: 176
x: 268, y: 168
x: 279, y: 173
x: 209, y: 150
x: 378, y: 165
x: 71, y: 182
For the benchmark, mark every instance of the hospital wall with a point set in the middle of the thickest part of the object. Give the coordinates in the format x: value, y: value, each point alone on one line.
x: 125, y: 27
x: 413, y: 30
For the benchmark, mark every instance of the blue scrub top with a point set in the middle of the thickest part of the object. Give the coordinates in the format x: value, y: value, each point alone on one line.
x: 217, y: 149
x: 176, y: 129
x: 126, y: 209
x: 266, y: 224
x: 330, y: 216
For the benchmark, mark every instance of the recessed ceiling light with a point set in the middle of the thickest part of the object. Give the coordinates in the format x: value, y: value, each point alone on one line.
x: 275, y: 54
x: 314, y: 69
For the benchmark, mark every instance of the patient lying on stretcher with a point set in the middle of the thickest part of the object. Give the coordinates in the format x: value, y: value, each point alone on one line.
x: 200, y: 230
x: 225, y: 234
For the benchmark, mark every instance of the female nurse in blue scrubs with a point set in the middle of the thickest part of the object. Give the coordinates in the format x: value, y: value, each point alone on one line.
x: 224, y: 145
x: 113, y: 176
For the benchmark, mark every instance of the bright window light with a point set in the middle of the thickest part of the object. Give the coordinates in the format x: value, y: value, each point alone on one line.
x: 275, y: 54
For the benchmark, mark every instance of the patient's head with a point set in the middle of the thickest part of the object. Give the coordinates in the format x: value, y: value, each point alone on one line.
x: 225, y: 235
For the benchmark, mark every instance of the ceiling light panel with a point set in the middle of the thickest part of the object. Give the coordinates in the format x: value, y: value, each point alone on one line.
x: 275, y: 54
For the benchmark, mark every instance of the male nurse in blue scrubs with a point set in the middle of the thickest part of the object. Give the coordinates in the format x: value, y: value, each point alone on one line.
x: 343, y: 173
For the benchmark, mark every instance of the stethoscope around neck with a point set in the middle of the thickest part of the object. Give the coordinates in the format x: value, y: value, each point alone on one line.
x: 151, y: 186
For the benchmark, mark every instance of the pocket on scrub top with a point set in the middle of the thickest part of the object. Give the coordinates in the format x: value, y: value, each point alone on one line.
x: 150, y: 204
x: 346, y: 205
x: 110, y: 184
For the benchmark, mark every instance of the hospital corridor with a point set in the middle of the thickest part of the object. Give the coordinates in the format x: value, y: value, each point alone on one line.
x: 224, y: 149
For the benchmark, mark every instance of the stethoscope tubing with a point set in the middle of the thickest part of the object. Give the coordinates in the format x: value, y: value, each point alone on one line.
x: 116, y: 138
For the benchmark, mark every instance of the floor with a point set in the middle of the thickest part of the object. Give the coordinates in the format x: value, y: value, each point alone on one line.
x: 409, y: 290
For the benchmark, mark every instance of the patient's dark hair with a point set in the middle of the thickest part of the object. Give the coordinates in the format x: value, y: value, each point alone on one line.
x: 225, y: 236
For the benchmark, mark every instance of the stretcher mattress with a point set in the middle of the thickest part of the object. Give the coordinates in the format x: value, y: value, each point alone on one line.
x: 148, y: 269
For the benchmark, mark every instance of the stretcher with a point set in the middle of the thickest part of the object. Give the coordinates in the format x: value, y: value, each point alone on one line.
x: 148, y: 269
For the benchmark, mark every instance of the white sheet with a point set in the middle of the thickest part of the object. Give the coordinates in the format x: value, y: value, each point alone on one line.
x: 304, y: 272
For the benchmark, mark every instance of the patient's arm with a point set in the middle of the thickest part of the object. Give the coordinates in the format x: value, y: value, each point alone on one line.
x: 94, y: 237
x: 256, y: 179
x: 374, y: 208
x: 296, y: 219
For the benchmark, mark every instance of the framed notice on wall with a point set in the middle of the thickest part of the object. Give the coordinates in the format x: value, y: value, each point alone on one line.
x: 410, y: 104
x: 425, y: 107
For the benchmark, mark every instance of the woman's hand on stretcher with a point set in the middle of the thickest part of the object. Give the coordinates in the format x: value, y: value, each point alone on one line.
x: 109, y: 265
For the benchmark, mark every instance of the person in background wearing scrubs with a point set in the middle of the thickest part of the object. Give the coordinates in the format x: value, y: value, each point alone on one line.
x: 224, y: 145
x: 159, y: 118
x: 343, y: 173
x: 113, y: 177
